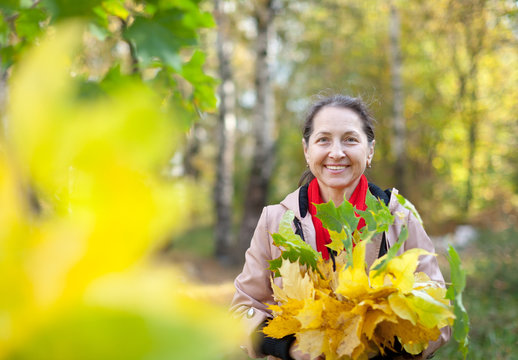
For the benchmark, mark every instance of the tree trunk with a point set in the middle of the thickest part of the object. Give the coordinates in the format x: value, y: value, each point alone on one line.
x: 263, y: 157
x: 224, y: 187
x: 192, y: 149
x: 472, y: 124
x: 398, y: 119
x: 472, y: 18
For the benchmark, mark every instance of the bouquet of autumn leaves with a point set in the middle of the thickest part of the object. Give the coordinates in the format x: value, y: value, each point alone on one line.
x: 339, y: 309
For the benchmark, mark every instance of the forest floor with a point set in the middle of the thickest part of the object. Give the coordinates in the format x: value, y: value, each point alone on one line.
x: 215, y: 280
x: 204, y: 270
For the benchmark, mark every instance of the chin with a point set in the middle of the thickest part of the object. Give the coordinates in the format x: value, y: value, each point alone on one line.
x: 339, y: 185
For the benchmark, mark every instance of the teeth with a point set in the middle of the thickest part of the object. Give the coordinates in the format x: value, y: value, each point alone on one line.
x: 331, y: 167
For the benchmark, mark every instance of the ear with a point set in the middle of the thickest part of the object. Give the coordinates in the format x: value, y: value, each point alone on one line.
x: 305, y: 147
x: 370, y: 154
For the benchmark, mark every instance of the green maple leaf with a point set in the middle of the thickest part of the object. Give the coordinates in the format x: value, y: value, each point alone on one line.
x: 161, y: 38
x: 458, y: 283
x: 408, y: 205
x: 377, y: 216
x: 342, y: 222
x: 292, y: 246
x: 203, y: 84
x: 337, y: 218
x: 61, y: 9
x: 392, y: 252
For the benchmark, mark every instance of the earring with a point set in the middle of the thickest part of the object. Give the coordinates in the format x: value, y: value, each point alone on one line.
x: 369, y: 165
x: 307, y: 165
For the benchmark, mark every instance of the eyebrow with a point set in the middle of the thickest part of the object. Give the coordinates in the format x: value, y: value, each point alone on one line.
x: 325, y: 132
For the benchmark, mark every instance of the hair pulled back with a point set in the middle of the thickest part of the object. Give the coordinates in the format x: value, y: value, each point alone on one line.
x: 355, y: 104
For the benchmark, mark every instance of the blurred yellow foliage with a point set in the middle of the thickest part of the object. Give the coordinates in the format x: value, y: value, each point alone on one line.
x: 78, y: 281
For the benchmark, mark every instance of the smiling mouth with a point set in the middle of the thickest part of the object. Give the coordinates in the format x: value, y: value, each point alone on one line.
x: 336, y: 167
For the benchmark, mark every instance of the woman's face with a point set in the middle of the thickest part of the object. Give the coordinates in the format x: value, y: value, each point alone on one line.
x: 337, y: 151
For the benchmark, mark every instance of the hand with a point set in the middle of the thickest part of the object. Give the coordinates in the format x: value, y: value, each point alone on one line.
x: 298, y: 355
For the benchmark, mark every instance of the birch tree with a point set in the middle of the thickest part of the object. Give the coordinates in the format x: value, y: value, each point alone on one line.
x: 398, y: 117
x: 224, y: 187
x: 263, y: 123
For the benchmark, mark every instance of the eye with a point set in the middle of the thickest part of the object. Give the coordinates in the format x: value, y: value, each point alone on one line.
x: 322, y: 140
x: 351, y: 139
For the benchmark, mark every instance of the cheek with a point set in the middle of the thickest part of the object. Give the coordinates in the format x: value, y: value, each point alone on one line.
x: 361, y: 158
x: 306, y: 156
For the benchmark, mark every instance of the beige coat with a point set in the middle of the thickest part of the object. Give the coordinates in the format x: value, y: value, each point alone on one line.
x: 253, y: 287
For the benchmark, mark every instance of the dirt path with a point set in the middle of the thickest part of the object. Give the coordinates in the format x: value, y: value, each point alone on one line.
x: 203, y: 270
x: 211, y: 280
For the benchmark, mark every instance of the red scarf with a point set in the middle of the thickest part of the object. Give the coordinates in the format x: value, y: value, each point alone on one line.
x: 357, y: 199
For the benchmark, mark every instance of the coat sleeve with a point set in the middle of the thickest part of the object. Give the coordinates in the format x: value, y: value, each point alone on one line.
x: 428, y: 264
x: 253, y: 288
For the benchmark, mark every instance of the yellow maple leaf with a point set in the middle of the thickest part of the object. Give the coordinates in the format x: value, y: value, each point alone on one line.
x: 350, y: 314
x: 422, y: 280
x: 327, y: 278
x: 420, y: 306
x: 337, y: 240
x: 281, y: 326
x: 438, y: 293
x: 399, y: 271
x: 335, y: 310
x: 353, y: 281
x: 432, y: 288
x: 373, y: 318
x: 294, y: 284
x: 431, y: 312
x: 414, y: 339
x: 350, y: 340
x: 310, y: 316
x: 380, y: 293
x: 311, y: 342
x: 400, y: 305
x: 276, y: 309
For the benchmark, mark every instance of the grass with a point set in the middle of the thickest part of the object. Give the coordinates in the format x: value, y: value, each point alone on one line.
x: 196, y: 241
x: 491, y: 298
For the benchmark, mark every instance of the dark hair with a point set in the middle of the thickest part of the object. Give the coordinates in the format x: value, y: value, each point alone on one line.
x: 355, y: 104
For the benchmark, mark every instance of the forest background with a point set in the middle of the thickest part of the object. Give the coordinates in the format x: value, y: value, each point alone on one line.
x: 441, y: 79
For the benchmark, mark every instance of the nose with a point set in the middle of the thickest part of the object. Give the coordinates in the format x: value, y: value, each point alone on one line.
x: 337, y: 150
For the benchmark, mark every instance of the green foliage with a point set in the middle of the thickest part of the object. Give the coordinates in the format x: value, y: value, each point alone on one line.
x: 161, y: 37
x: 408, y: 205
x: 61, y: 9
x: 338, y: 218
x: 343, y: 220
x: 490, y: 296
x: 341, y: 241
x: 160, y: 34
x: 294, y: 248
x: 377, y: 215
x: 392, y: 251
x: 341, y: 223
x: 192, y: 71
x: 454, y: 293
x: 438, y: 109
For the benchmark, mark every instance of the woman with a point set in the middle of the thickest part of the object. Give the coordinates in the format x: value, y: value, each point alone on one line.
x: 338, y: 143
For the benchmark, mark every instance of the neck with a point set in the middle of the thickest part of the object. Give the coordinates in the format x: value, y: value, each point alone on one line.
x: 338, y: 195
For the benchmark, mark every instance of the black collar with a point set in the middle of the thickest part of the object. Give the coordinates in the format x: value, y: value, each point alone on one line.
x: 303, y: 201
